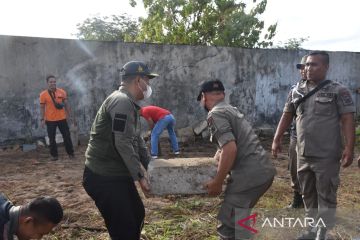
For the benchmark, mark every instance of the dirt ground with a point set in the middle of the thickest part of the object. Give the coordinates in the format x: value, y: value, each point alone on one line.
x: 24, y: 176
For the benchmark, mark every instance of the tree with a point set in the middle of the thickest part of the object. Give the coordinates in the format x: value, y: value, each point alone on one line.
x: 113, y: 28
x: 205, y: 22
x: 292, y: 43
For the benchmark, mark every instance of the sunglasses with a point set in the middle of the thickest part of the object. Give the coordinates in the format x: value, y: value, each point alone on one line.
x: 300, y: 66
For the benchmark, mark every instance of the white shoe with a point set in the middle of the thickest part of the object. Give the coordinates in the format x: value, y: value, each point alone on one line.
x: 177, y: 152
x: 154, y: 157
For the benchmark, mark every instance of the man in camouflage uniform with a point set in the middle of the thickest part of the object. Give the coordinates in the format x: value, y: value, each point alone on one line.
x: 240, y: 154
x: 116, y: 154
x: 320, y: 119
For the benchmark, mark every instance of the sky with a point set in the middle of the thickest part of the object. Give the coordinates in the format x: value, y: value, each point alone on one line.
x: 328, y: 24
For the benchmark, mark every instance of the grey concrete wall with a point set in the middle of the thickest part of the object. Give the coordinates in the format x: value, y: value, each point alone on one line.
x: 257, y: 80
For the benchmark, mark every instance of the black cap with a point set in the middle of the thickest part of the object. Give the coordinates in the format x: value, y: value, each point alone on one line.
x: 135, y: 68
x: 210, y: 86
x: 300, y: 66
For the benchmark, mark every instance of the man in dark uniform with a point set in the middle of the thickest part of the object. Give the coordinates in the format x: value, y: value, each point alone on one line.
x: 297, y: 198
x: 239, y: 153
x: 320, y: 120
x: 116, y: 155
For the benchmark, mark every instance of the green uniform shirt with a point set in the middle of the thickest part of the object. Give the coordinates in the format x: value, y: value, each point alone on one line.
x: 318, y: 118
x: 252, y: 167
x: 115, y: 147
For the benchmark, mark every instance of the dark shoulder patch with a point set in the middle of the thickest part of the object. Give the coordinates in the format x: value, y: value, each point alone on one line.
x: 119, y: 122
x: 346, y: 97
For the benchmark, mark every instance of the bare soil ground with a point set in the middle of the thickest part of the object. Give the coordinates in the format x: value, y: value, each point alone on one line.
x: 24, y: 176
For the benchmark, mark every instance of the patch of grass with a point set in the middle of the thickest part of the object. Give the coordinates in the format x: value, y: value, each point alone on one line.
x: 187, y: 218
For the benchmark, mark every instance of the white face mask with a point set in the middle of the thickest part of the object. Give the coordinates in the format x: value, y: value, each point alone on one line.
x: 147, y: 92
x: 203, y: 103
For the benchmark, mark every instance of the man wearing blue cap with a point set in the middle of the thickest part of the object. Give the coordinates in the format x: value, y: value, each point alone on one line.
x: 239, y: 154
x: 116, y: 155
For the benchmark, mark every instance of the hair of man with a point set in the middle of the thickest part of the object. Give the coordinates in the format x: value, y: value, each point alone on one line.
x: 324, y: 55
x: 49, y: 76
x: 43, y: 210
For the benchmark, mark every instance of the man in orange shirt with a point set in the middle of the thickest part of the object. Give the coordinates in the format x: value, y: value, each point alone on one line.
x: 54, y: 112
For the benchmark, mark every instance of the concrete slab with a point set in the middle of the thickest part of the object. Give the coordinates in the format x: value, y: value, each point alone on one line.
x: 28, y: 147
x: 180, y: 175
x: 200, y: 127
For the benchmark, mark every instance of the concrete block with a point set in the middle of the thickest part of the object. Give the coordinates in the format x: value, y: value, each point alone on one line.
x: 28, y: 147
x: 200, y: 127
x: 180, y: 175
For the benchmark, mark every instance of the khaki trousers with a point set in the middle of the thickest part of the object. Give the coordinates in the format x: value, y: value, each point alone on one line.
x: 293, y: 165
x: 319, y: 181
x: 243, y: 202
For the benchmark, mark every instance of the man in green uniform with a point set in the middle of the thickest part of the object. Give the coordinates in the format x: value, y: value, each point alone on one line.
x: 320, y: 119
x: 116, y: 154
x: 240, y: 154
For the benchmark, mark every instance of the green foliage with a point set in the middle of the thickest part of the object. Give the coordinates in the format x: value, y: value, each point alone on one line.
x: 205, y: 22
x: 357, y: 135
x: 293, y: 43
x: 113, y: 28
x: 194, y: 22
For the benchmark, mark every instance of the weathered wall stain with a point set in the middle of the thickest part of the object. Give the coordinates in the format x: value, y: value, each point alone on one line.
x: 256, y: 80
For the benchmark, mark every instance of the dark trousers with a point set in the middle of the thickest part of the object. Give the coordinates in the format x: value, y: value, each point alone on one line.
x: 293, y: 165
x: 118, y: 202
x: 64, y: 130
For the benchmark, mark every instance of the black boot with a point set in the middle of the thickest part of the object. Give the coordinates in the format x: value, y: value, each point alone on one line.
x: 297, y: 201
x: 321, y: 233
x: 309, y: 234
